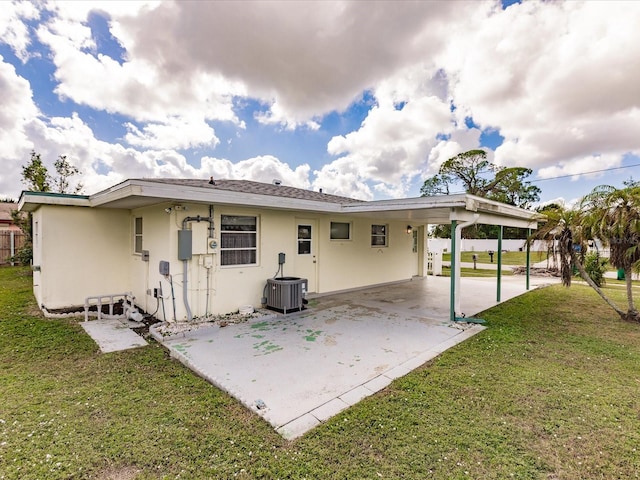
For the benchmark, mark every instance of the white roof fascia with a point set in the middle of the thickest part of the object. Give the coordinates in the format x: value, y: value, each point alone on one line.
x: 417, y: 203
x: 117, y: 192
x: 493, y: 219
x: 31, y: 201
x: 461, y: 207
x: 200, y: 195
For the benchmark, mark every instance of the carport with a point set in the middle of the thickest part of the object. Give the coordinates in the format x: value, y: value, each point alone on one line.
x: 299, y: 370
x: 459, y: 211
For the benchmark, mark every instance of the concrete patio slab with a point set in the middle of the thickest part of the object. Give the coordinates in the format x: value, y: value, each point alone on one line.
x: 113, y: 335
x: 299, y: 370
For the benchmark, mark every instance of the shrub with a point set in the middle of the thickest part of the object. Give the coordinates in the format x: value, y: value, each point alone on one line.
x: 595, y: 267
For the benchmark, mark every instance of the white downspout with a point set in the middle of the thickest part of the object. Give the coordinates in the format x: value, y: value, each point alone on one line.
x: 458, y: 240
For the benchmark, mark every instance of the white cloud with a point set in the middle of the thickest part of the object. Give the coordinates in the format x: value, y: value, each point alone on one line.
x: 555, y: 78
x: 393, y: 144
x: 176, y: 133
x: 305, y: 58
x: 13, y: 29
x: 581, y: 167
x: 265, y: 169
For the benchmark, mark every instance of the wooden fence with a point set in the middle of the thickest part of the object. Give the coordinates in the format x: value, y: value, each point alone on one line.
x: 10, y: 242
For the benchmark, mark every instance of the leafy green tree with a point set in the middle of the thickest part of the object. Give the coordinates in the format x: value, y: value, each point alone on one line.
x: 480, y: 177
x: 37, y: 178
x: 64, y: 172
x: 35, y: 175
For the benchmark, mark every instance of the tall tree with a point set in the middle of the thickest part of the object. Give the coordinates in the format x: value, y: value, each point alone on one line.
x: 475, y: 174
x: 478, y: 176
x: 64, y: 172
x: 35, y: 175
x: 37, y: 178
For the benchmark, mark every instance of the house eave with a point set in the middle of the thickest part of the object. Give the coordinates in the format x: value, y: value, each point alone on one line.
x: 138, y: 193
x: 31, y: 201
x: 446, y: 208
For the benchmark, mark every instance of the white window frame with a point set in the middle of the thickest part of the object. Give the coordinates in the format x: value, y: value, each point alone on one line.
x: 305, y: 240
x: 384, y: 235
x: 138, y: 235
x: 331, y: 237
x: 223, y: 233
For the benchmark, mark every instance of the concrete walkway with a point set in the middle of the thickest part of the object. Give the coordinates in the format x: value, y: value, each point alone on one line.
x: 299, y: 370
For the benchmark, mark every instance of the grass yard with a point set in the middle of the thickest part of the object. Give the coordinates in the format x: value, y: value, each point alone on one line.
x: 548, y: 391
x: 470, y: 272
x: 508, y: 258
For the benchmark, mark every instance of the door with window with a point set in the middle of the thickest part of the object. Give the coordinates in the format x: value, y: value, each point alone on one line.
x: 306, y: 252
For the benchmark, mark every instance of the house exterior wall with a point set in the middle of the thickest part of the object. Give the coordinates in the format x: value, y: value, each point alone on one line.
x: 79, y: 252
x: 340, y: 264
x: 355, y: 263
x: 83, y: 252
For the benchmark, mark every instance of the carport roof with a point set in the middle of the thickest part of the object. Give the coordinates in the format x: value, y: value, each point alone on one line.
x: 136, y: 193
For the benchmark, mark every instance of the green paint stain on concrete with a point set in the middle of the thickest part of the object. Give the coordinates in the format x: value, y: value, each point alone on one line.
x: 257, y: 336
x: 261, y: 326
x: 312, y: 335
x: 181, y: 348
x: 266, y: 347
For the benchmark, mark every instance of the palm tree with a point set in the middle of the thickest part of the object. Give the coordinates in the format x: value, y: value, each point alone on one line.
x: 613, y: 216
x: 564, y: 231
x: 560, y: 234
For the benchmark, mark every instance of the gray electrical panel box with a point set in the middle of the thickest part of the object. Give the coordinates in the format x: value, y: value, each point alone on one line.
x: 185, y: 243
x: 164, y: 267
x: 145, y: 255
x: 281, y: 257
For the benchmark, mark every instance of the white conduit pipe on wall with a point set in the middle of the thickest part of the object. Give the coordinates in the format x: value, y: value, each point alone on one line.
x: 458, y: 240
x: 185, y: 265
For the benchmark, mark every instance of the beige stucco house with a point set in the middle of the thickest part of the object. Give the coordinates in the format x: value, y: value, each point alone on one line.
x: 210, y: 248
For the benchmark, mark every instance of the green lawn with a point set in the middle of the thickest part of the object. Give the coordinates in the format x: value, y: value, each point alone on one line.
x: 479, y: 272
x: 508, y: 258
x: 548, y: 391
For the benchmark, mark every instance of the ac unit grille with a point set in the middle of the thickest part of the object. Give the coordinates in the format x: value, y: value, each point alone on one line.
x: 286, y: 294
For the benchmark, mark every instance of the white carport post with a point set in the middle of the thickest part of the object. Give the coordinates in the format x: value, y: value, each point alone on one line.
x: 456, y: 239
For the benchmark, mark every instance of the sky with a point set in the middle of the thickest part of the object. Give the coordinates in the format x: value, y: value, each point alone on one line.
x: 360, y: 98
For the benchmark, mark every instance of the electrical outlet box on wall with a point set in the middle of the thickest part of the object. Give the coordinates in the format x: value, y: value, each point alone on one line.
x: 200, y: 237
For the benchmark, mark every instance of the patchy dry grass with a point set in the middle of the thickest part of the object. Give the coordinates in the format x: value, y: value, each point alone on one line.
x: 548, y: 391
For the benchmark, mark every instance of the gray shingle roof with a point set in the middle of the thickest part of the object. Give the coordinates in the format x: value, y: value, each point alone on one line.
x: 257, y: 188
x: 5, y: 212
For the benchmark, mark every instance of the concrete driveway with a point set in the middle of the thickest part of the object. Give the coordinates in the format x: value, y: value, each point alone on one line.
x: 297, y: 371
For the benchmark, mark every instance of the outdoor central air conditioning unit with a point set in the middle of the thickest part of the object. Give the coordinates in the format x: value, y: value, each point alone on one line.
x: 286, y: 294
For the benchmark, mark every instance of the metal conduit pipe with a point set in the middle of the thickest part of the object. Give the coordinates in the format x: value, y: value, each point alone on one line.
x: 458, y: 239
x: 185, y: 265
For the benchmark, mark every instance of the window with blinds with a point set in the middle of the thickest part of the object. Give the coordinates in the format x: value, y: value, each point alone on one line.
x: 238, y: 240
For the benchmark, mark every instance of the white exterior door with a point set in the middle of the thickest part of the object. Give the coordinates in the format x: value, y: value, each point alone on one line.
x: 307, y: 252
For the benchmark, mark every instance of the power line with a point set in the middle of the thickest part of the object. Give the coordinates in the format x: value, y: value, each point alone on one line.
x: 584, y: 173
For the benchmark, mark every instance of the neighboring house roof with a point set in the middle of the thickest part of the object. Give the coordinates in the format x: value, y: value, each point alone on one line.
x: 136, y: 193
x: 5, y: 212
